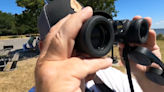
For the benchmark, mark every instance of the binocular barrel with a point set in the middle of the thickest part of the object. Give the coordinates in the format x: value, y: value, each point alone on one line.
x: 135, y: 31
x: 98, y: 34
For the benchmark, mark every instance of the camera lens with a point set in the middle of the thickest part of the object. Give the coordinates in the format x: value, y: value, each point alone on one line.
x: 143, y: 30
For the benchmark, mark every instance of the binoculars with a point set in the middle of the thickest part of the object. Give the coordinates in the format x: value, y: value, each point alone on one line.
x: 100, y: 32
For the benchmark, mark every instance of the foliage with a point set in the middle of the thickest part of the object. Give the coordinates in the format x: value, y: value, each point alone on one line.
x: 106, y: 5
x: 29, y: 16
x: 25, y: 23
x: 160, y: 37
x: 6, y: 23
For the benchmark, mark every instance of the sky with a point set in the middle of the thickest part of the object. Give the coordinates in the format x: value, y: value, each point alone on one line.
x: 127, y: 9
x: 145, y: 8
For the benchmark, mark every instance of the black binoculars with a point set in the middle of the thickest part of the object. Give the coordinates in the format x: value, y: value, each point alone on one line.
x: 100, y: 32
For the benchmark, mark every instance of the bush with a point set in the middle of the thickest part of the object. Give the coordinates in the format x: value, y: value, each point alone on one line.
x: 28, y: 35
x: 14, y: 36
x: 160, y: 37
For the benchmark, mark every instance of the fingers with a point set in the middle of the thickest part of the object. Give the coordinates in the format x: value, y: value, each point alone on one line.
x: 151, y: 41
x: 50, y: 35
x: 137, y: 17
x: 149, y: 20
x: 85, y: 67
x: 63, y: 34
x: 97, y: 64
x: 59, y: 24
x: 74, y: 23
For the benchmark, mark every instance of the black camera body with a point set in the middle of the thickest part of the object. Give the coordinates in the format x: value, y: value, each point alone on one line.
x: 100, y: 32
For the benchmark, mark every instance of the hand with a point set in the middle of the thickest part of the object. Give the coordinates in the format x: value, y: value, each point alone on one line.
x: 56, y: 70
x: 139, y: 70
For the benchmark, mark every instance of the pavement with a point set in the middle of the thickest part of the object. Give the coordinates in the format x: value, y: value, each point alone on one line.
x: 17, y: 43
x: 18, y: 47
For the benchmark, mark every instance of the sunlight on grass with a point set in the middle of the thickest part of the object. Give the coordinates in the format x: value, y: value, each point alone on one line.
x: 12, y: 36
x: 161, y: 46
x: 19, y: 80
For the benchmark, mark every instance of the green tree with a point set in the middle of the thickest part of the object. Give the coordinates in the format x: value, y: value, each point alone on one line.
x: 30, y: 14
x: 106, y: 5
x: 6, y: 23
x: 160, y: 37
x: 20, y: 26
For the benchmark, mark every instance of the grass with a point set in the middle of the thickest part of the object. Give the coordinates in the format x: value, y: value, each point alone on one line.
x: 11, y: 36
x: 22, y: 79
x: 19, y: 80
x: 161, y: 45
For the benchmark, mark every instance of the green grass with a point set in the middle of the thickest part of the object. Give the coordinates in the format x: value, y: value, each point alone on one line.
x: 161, y: 45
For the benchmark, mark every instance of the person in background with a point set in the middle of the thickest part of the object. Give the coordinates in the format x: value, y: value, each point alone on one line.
x: 37, y: 43
x: 30, y: 43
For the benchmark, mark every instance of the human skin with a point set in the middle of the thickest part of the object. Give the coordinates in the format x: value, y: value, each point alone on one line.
x: 139, y: 70
x: 56, y: 70
x: 55, y: 66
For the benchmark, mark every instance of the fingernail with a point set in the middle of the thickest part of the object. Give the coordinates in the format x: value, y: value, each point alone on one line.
x: 86, y: 10
x: 109, y: 59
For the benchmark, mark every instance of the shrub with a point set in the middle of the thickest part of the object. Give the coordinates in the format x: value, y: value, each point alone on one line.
x: 160, y: 37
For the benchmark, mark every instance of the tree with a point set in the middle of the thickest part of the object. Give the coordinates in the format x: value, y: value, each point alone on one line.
x: 6, y: 23
x: 20, y: 26
x: 106, y: 5
x: 30, y: 14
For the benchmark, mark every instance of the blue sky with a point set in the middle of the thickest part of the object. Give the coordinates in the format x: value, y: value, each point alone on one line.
x: 127, y: 9
x: 10, y: 6
x: 146, y: 8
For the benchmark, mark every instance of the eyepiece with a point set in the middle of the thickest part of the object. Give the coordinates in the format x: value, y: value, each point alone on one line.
x: 100, y: 37
x: 143, y: 30
x: 138, y: 31
x: 96, y: 37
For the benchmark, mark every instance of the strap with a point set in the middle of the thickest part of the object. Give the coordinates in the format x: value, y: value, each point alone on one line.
x: 125, y: 57
x: 102, y: 87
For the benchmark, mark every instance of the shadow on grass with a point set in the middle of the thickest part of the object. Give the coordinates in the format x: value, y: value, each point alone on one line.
x: 14, y: 36
x: 23, y: 55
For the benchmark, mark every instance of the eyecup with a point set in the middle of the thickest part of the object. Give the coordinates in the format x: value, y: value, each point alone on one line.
x: 83, y: 41
x: 138, y: 31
